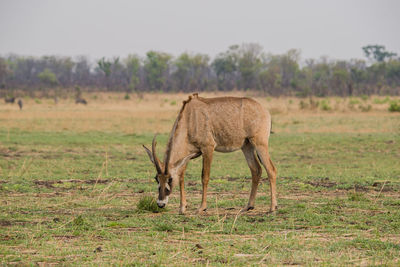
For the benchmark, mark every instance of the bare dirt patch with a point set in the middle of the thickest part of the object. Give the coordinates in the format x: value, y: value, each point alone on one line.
x: 50, y: 183
x: 5, y: 223
x: 322, y: 182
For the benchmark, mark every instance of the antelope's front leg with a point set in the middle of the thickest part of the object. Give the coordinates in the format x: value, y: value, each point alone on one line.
x: 182, y: 207
x: 205, y: 177
x: 183, y: 204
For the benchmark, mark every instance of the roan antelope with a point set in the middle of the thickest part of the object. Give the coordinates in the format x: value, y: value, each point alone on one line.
x: 9, y: 100
x: 80, y: 101
x: 223, y: 124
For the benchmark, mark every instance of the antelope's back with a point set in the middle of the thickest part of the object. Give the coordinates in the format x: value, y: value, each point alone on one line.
x: 229, y: 119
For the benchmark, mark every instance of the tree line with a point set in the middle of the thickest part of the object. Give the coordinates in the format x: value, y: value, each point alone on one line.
x: 240, y: 67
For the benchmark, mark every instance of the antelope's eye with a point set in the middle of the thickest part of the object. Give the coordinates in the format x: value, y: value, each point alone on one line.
x: 170, y: 180
x: 156, y: 178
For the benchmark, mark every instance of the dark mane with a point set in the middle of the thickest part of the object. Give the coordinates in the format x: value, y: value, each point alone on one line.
x: 169, y: 145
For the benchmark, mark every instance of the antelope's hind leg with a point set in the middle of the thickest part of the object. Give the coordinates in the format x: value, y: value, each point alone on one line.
x: 256, y: 171
x: 263, y: 155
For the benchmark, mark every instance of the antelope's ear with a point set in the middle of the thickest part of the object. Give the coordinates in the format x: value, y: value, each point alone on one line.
x: 149, y: 153
x: 186, y: 159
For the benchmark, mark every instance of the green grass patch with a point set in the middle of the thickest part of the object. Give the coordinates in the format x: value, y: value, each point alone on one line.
x: 65, y: 194
x: 148, y: 203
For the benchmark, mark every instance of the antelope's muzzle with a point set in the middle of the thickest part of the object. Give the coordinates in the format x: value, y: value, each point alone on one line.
x: 162, y: 203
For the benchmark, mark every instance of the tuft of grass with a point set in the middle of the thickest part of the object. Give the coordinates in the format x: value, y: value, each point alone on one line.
x: 356, y: 196
x: 148, y: 203
x: 364, y: 97
x: 381, y: 101
x: 394, y: 107
x: 127, y: 97
x: 164, y: 227
x: 354, y: 101
x: 325, y: 105
x: 365, y: 108
x: 303, y: 104
x: 78, y: 221
x: 38, y: 101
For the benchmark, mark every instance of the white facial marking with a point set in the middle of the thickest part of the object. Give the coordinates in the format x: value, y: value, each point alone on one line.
x: 167, y: 187
x: 165, y: 201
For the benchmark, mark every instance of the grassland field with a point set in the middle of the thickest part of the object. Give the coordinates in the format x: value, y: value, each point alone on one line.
x: 71, y: 177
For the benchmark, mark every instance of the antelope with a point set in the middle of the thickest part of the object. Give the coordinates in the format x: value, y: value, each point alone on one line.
x: 80, y: 101
x: 205, y: 125
x: 9, y: 100
x: 20, y: 104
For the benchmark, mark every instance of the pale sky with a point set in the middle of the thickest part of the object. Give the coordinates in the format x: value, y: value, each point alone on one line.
x: 96, y: 28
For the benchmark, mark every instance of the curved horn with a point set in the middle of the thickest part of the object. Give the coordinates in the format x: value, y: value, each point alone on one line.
x: 156, y: 160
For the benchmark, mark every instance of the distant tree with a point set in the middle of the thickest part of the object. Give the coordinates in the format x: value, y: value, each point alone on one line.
x: 25, y: 71
x: 107, y: 67
x: 280, y: 72
x: 290, y: 68
x: 322, y: 74
x: 156, y: 67
x: 225, y: 66
x: 4, y: 72
x: 81, y: 74
x: 270, y: 78
x: 48, y: 78
x: 191, y: 72
x: 393, y: 73
x: 340, y: 79
x: 60, y: 66
x: 358, y: 75
x: 133, y: 64
x: 239, y: 67
x: 249, y: 65
x: 378, y: 53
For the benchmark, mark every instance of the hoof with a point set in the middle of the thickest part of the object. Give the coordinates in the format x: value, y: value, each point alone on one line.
x: 272, y: 211
x: 201, y: 211
x: 182, y: 210
x: 247, y: 208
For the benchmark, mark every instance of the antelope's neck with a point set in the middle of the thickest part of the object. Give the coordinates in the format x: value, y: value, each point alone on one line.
x: 177, y: 147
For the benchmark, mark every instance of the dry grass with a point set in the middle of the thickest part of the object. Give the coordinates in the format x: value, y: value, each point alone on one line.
x: 156, y: 113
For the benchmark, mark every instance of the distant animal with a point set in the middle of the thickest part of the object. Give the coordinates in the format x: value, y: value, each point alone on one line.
x: 205, y: 125
x: 9, y: 100
x: 20, y: 104
x: 80, y: 101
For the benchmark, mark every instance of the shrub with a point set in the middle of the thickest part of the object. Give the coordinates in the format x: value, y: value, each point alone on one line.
x: 364, y: 97
x: 303, y: 105
x: 394, y: 107
x: 127, y: 97
x: 381, y: 101
x: 354, y: 102
x: 365, y: 108
x: 313, y: 104
x: 325, y: 105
